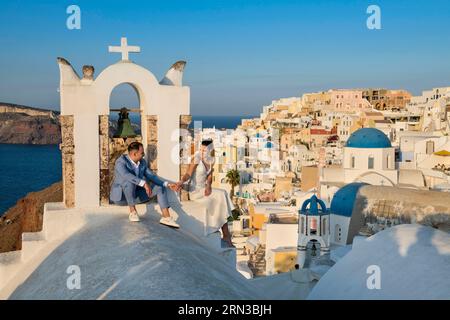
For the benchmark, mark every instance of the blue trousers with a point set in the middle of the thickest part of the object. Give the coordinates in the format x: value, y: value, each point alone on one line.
x: 133, y: 194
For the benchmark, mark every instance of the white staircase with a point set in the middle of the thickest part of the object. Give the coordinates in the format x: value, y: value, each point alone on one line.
x: 58, y: 224
x: 32, y: 242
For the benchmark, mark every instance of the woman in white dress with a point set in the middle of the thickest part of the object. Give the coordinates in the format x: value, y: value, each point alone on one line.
x: 198, y: 179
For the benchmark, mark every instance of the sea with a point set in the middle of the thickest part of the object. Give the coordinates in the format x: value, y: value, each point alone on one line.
x: 28, y: 168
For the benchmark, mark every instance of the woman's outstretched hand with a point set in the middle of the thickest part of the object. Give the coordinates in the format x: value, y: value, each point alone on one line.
x: 175, y: 186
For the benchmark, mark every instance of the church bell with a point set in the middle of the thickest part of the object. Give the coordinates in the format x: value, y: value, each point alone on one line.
x: 124, y: 128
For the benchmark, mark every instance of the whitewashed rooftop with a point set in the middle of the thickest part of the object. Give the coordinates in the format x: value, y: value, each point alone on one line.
x: 123, y: 260
x: 414, y: 263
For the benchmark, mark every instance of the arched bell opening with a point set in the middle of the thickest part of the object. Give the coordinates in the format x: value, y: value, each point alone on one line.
x: 123, y: 125
x: 125, y: 112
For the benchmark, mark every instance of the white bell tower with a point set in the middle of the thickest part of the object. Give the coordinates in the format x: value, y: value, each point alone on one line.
x: 314, y: 224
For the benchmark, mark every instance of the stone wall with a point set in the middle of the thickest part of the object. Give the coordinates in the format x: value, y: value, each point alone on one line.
x: 152, y: 142
x: 68, y: 156
x: 185, y: 151
x: 104, y: 159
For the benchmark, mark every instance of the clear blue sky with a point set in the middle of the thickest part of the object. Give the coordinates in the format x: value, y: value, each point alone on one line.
x: 240, y: 54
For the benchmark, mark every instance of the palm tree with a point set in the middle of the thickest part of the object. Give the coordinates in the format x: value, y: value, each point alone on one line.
x: 233, y: 178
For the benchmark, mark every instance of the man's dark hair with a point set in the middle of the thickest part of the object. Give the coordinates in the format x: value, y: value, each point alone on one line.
x: 206, y: 142
x: 134, y: 146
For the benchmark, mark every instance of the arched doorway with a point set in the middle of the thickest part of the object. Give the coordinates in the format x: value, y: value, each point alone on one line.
x: 123, y: 125
x: 125, y: 95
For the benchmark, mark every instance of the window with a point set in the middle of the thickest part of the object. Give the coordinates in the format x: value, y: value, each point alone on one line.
x: 370, y: 162
x: 337, y: 233
x: 313, y: 226
x: 353, y: 162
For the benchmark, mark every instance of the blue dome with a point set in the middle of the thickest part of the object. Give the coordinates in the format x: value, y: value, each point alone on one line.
x: 344, y: 199
x: 316, y: 207
x: 269, y: 144
x: 368, y: 138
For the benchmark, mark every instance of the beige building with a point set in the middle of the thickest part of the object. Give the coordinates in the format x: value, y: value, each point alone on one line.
x: 310, y: 101
x: 282, y: 185
x: 349, y: 101
x: 369, y: 118
x: 383, y: 99
x: 309, y: 178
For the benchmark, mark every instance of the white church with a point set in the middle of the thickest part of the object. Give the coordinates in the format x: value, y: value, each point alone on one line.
x: 368, y: 158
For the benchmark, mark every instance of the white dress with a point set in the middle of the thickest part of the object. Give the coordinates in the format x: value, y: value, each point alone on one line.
x: 218, y: 203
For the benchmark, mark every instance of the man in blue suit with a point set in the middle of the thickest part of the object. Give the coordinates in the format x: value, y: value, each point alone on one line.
x: 130, y: 186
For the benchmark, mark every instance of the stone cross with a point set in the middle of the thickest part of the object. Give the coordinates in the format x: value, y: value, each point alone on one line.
x: 124, y: 49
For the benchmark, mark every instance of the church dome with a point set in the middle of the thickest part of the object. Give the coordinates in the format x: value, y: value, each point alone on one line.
x: 344, y: 199
x: 368, y: 138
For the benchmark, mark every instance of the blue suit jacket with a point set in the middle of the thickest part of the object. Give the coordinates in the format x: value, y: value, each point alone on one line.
x: 124, y: 172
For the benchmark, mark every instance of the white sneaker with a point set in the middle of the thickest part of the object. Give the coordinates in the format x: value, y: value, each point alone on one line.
x: 168, y: 221
x: 134, y: 217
